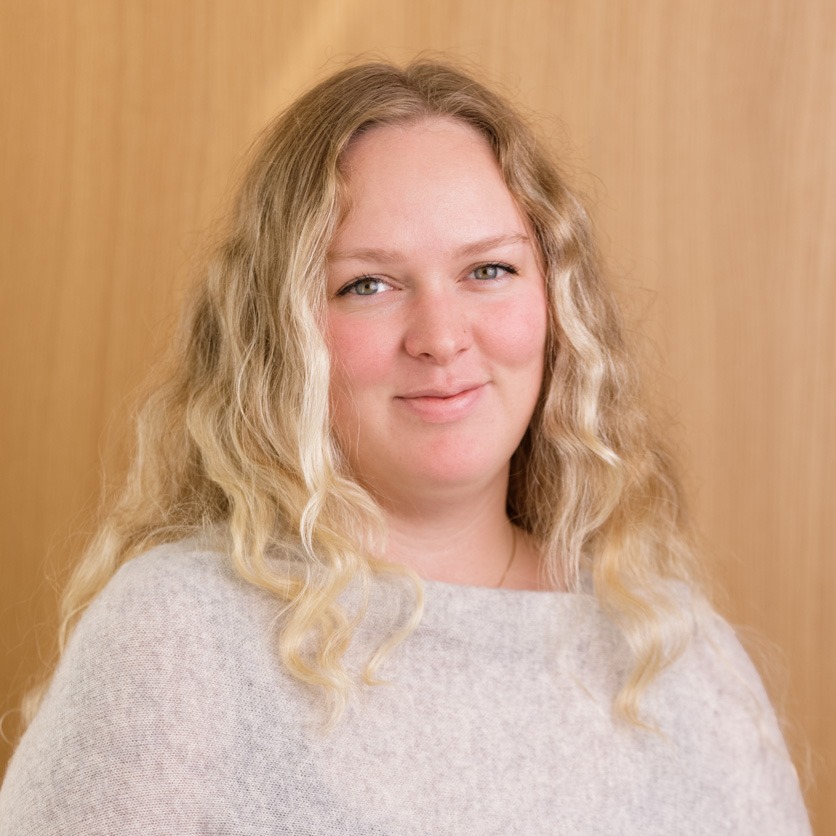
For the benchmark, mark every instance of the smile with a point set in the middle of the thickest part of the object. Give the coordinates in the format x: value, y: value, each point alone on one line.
x: 437, y: 406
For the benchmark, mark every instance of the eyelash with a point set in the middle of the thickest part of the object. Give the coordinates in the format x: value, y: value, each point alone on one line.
x: 356, y: 283
x: 501, y: 265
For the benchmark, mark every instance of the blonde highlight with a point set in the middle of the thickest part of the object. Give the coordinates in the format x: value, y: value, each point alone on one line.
x: 234, y: 444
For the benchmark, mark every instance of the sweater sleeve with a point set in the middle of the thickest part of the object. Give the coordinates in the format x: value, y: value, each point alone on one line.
x: 120, y: 743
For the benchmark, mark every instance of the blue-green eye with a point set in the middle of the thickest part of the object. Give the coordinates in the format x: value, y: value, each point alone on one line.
x: 364, y: 286
x: 494, y: 270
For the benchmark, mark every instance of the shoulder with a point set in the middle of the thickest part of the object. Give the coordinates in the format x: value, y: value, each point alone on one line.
x: 175, y: 595
x: 173, y: 623
x: 716, y: 667
x: 713, y: 705
x: 178, y: 572
x: 174, y: 591
x: 135, y: 725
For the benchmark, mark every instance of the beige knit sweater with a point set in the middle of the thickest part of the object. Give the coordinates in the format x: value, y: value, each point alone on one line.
x: 170, y: 714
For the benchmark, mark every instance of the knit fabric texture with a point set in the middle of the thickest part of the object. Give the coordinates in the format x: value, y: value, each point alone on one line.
x: 170, y: 713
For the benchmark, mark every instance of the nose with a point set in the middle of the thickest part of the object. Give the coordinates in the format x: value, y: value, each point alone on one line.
x: 438, y: 327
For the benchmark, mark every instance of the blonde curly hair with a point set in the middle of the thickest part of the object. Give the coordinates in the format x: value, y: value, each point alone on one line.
x: 235, y: 441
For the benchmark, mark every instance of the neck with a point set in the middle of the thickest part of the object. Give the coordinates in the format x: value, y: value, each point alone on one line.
x: 468, y: 543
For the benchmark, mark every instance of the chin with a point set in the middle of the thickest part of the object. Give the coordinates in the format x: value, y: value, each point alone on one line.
x: 457, y: 471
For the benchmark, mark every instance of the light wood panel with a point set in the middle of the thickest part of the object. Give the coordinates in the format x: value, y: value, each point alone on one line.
x: 700, y: 130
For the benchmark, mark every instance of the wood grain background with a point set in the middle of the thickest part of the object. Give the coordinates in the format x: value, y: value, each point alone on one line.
x: 701, y: 130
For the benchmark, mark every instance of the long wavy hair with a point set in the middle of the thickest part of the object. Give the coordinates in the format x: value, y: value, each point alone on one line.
x: 235, y: 440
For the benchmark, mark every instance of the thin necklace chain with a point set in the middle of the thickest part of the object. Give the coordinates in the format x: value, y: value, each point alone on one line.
x: 513, y: 555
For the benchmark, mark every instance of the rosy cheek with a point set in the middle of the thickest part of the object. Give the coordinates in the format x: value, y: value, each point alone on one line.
x: 520, y: 334
x: 356, y: 356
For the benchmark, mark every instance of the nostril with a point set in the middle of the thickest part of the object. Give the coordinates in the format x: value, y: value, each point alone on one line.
x: 440, y: 340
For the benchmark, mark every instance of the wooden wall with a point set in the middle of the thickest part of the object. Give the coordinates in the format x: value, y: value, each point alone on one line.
x: 702, y: 131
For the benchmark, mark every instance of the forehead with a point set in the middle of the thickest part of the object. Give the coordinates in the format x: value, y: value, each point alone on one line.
x: 422, y: 131
x: 427, y: 173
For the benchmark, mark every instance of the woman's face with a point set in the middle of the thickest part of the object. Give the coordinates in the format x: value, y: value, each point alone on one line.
x: 436, y: 314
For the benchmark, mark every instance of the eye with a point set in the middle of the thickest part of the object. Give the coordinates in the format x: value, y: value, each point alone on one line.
x: 493, y: 270
x: 364, y: 286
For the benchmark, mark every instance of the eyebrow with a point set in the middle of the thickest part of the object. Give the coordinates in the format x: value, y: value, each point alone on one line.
x: 384, y: 256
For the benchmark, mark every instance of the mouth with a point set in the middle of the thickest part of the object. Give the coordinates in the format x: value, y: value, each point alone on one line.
x: 442, y: 393
x: 443, y: 405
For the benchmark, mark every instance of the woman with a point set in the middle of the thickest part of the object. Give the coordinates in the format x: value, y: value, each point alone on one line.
x: 400, y: 552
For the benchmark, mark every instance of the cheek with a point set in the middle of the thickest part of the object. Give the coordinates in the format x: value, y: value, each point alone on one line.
x: 358, y: 357
x: 519, y: 333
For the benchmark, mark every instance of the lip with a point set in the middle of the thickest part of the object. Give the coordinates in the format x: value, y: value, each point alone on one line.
x: 443, y: 405
x: 448, y: 391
